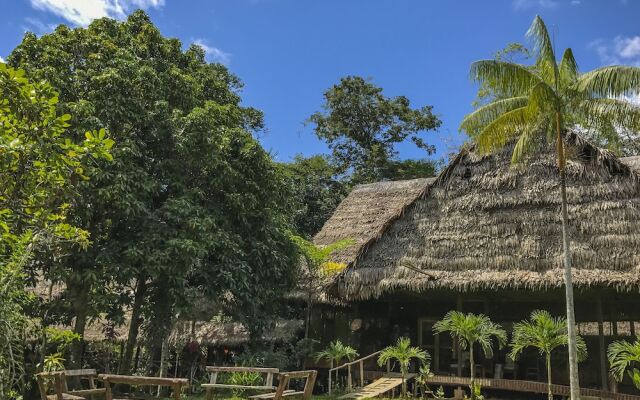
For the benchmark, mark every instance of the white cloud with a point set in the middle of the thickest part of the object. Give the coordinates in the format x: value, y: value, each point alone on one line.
x: 620, y: 50
x: 576, y: 2
x: 213, y: 53
x: 82, y: 12
x: 524, y: 4
x: 1, y: 59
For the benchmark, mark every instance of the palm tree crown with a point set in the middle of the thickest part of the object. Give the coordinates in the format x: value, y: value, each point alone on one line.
x: 622, y: 355
x: 545, y: 333
x: 403, y: 352
x: 335, y: 352
x: 469, y: 329
x: 530, y: 102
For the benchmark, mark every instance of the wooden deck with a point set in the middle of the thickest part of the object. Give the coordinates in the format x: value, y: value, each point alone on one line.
x: 526, y: 386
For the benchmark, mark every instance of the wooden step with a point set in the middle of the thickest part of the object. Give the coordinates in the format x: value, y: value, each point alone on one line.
x: 377, y: 387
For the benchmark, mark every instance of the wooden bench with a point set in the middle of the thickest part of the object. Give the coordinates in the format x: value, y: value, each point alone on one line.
x: 283, y: 382
x: 177, y: 384
x: 58, y: 382
x: 214, y: 371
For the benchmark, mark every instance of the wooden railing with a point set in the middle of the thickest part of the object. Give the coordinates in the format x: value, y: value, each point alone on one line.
x: 360, y: 362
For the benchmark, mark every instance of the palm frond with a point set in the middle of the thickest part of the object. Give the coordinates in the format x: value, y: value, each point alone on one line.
x: 543, y: 47
x: 568, y: 69
x: 483, y: 116
x: 621, y: 355
x: 509, y: 77
x: 620, y: 113
x: 612, y: 81
x: 503, y: 129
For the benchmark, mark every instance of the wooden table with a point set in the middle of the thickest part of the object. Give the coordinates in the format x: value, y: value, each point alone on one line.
x: 175, y: 383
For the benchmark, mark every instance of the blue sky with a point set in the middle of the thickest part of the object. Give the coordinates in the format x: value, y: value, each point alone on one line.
x: 287, y: 52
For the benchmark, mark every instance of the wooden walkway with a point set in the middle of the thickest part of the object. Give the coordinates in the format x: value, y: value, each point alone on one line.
x: 526, y: 386
x: 379, y: 386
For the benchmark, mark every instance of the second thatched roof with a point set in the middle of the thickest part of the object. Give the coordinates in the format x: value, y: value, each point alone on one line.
x: 485, y: 224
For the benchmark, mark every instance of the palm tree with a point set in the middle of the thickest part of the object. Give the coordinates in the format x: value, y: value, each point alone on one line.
x: 538, y: 102
x: 469, y: 329
x: 403, y: 352
x: 318, y: 269
x: 545, y: 333
x: 621, y: 355
x: 335, y: 352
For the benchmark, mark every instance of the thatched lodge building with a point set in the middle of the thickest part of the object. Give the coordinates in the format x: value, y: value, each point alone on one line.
x: 485, y: 236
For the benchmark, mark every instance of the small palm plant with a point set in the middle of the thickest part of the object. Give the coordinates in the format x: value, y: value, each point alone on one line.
x: 622, y: 355
x: 469, y: 329
x: 545, y: 333
x: 336, y: 352
x: 403, y: 352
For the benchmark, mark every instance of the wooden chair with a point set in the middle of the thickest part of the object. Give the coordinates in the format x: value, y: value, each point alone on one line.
x: 214, y: 371
x: 283, y: 382
x: 177, y: 384
x: 57, y: 382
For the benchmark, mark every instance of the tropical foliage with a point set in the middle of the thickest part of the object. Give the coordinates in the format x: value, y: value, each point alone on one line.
x: 546, y: 333
x: 469, y: 329
x: 362, y: 126
x: 192, y: 205
x: 335, y: 352
x: 39, y: 162
x: 403, y: 353
x: 625, y: 356
x: 535, y: 103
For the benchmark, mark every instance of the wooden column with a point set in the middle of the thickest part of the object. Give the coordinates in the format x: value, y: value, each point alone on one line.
x: 458, y: 349
x: 604, y: 382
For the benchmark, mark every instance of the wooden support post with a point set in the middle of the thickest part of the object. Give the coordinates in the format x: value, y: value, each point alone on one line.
x: 604, y: 381
x: 457, y: 344
x: 349, y: 383
x: 614, y: 320
x: 388, y: 366
x: 632, y: 327
x: 361, y: 374
x: 330, y: 380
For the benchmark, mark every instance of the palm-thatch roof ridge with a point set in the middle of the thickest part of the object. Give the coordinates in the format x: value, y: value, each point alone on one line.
x: 485, y: 224
x: 364, y: 214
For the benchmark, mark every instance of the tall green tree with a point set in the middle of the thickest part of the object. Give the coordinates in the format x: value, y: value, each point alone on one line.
x: 403, y: 352
x: 469, y: 329
x: 315, y: 191
x: 362, y: 126
x: 538, y: 103
x: 39, y: 161
x: 545, y: 333
x: 192, y: 205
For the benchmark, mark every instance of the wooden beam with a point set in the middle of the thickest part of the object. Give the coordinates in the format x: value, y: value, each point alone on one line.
x: 604, y: 382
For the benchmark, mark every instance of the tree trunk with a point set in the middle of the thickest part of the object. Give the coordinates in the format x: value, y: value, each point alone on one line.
x: 134, y: 327
x: 473, y: 372
x: 307, y: 321
x: 571, y: 318
x: 549, y: 376
x: 80, y: 304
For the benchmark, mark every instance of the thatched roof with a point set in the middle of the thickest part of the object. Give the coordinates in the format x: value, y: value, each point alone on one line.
x: 231, y: 333
x: 366, y: 212
x: 485, y: 224
x: 632, y: 162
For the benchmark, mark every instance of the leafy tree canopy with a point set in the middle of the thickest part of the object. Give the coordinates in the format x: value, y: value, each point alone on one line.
x: 192, y: 204
x: 362, y: 126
